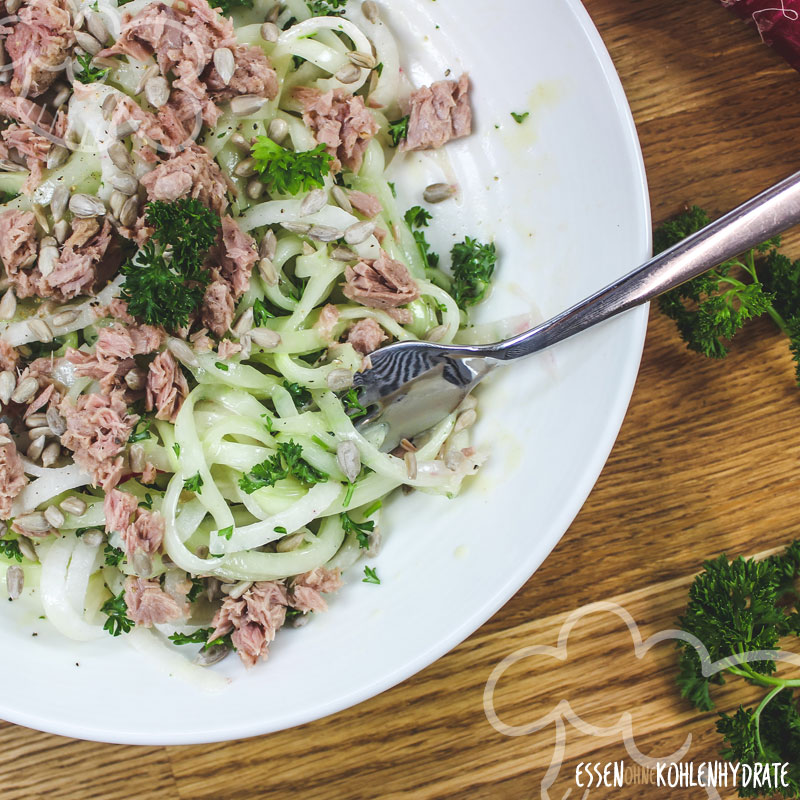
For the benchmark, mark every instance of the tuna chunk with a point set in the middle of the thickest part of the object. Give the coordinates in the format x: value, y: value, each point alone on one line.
x: 24, y: 111
x: 341, y: 122
x: 367, y: 204
x: 166, y: 132
x: 253, y: 75
x: 192, y: 173
x: 33, y: 146
x: 98, y: 427
x: 237, y: 257
x: 8, y: 356
x: 307, y: 588
x: 18, y: 250
x: 382, y: 283
x: 75, y: 272
x: 166, y: 387
x: 366, y: 336
x: 253, y: 619
x: 119, y: 508
x: 12, y: 474
x: 148, y: 604
x: 218, y: 307
x: 39, y: 45
x: 141, y: 530
x: 439, y: 113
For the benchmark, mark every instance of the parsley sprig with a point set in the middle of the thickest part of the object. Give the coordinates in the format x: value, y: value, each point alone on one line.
x: 200, y: 636
x: 398, y: 130
x: 117, y: 612
x: 86, y: 73
x: 166, y: 279
x: 473, y: 266
x: 10, y: 549
x: 326, y: 8
x: 360, y: 529
x: 287, y: 462
x: 736, y: 608
x: 289, y: 172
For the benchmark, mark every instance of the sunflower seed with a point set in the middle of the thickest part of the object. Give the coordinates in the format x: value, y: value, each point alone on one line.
x: 8, y: 382
x: 109, y: 104
x: 213, y: 655
x: 255, y: 188
x: 349, y: 459
x: 38, y: 432
x: 12, y: 6
x: 116, y: 202
x: 151, y: 72
x: 61, y: 231
x: 245, y: 168
x: 364, y: 60
x: 359, y: 232
x: 325, y: 233
x: 264, y: 337
x: 268, y: 246
x: 88, y: 43
x: 59, y: 202
x: 437, y: 192
x: 246, y: 104
x: 36, y: 420
x: 136, y: 379
x: 54, y: 516
x: 125, y: 183
x: 136, y: 458
x: 27, y: 549
x: 270, y: 32
x: 55, y: 421
x: 339, y: 379
x: 84, y: 206
x: 96, y: 26
x: 342, y: 200
x: 142, y: 564
x: 437, y: 334
x: 182, y: 352
x: 308, y: 250
x: 35, y: 523
x: 47, y: 262
x: 411, y: 465
x: 50, y: 454
x: 8, y: 305
x: 130, y: 212
x: 314, y: 201
x: 38, y: 327
x: 343, y: 254
x: 244, y: 323
x: 224, y: 64
x: 267, y: 272
x: 56, y: 156
x: 65, y: 318
x: 236, y: 590
x: 156, y: 90
x: 15, y: 581
x: 25, y: 390
x: 370, y: 10
x: 93, y: 538
x: 62, y: 96
x: 275, y: 12
x: 296, y: 227
x: 289, y: 543
x: 278, y: 130
x: 36, y: 448
x: 349, y: 73
x: 74, y: 506
x: 465, y: 420
x: 41, y: 217
x: 120, y: 157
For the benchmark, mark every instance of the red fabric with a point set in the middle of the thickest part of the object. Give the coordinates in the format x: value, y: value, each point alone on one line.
x: 778, y: 22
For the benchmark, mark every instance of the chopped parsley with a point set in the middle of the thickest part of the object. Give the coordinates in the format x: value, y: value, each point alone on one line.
x: 289, y: 172
x: 417, y: 217
x: 197, y: 588
x: 147, y: 502
x: 176, y: 448
x: 360, y: 529
x: 113, y: 555
x: 86, y: 73
x: 371, y: 576
x: 392, y: 189
x: 300, y: 396
x: 10, y: 549
x: 200, y: 636
x: 352, y: 404
x: 287, y: 462
x: 165, y: 280
x: 226, y: 6
x: 220, y: 365
x: 226, y: 533
x: 138, y: 435
x: 398, y: 130
x: 326, y: 8
x: 261, y: 313
x: 194, y: 484
x: 473, y: 265
x: 117, y: 612
x: 520, y: 118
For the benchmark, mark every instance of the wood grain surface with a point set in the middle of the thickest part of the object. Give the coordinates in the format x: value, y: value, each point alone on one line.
x: 706, y: 462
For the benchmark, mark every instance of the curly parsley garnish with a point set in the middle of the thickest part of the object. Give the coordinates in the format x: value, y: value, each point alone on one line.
x: 473, y: 265
x: 360, y: 529
x: 113, y: 556
x: 326, y: 8
x: 398, y: 130
x: 371, y: 576
x: 287, y: 462
x: 117, y: 612
x: 289, y: 172
x: 86, y: 73
x: 10, y: 549
x: 194, y: 484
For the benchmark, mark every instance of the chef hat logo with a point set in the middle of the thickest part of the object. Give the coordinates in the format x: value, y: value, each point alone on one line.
x: 562, y: 715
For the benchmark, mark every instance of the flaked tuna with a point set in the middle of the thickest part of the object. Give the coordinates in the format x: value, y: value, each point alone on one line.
x: 366, y: 336
x: 439, y: 113
x: 367, y: 204
x: 75, y: 271
x: 8, y: 356
x: 12, y: 473
x: 382, y: 283
x: 218, y: 307
x: 148, y: 604
x: 166, y: 387
x: 18, y: 250
x: 237, y: 256
x: 340, y: 121
x: 307, y: 589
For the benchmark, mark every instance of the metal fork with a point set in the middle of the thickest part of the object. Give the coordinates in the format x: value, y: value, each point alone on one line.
x: 410, y: 386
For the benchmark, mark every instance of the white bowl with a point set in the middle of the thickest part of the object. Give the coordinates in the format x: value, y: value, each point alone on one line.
x: 564, y: 194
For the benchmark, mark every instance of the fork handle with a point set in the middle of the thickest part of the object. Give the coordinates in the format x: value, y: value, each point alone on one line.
x: 765, y: 215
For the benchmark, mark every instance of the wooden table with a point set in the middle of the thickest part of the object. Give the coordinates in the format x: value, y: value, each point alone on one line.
x: 706, y: 462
